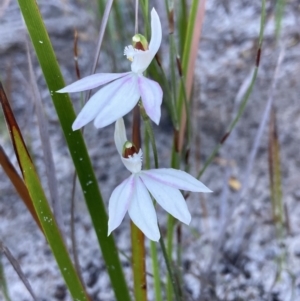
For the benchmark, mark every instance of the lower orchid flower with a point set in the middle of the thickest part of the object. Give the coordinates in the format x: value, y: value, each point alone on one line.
x: 123, y: 90
x: 134, y: 194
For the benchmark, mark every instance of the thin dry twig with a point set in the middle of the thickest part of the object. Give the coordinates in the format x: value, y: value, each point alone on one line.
x: 254, y: 150
x: 73, y: 207
x: 3, y: 7
x: 100, y: 39
x: 17, y: 267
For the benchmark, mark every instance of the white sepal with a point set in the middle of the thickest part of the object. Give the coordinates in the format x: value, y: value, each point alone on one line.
x: 168, y: 197
x: 119, y: 203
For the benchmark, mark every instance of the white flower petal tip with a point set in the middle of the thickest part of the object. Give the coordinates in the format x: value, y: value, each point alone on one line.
x: 156, y: 32
x: 91, y: 82
x: 119, y: 202
x: 177, y: 179
x: 152, y: 95
x: 142, y: 59
x: 142, y: 212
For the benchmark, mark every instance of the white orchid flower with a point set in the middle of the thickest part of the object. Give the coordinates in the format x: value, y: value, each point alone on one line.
x: 124, y: 89
x: 133, y: 194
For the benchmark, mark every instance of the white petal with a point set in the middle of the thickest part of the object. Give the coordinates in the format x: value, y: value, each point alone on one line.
x: 91, y: 82
x: 168, y: 197
x: 141, y: 211
x: 134, y: 163
x: 97, y: 102
x: 177, y: 178
x: 119, y: 203
x: 120, y: 103
x: 120, y: 135
x: 156, y: 34
x: 151, y: 94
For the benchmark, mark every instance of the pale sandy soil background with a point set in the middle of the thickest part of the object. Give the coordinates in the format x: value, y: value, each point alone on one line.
x: 246, y: 264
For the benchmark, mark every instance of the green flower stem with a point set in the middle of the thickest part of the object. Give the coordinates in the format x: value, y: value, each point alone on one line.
x: 78, y: 151
x: 137, y: 236
x: 153, y: 245
x: 156, y: 271
x: 149, y: 135
x: 138, y: 263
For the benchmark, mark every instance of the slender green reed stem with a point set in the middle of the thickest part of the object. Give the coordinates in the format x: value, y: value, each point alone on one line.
x: 169, y: 99
x: 247, y: 94
x: 150, y: 134
x: 279, y: 10
x: 145, y: 12
x: 170, y: 231
x: 3, y: 284
x: 172, y: 49
x: 153, y: 245
x: 171, y: 275
x: 170, y: 270
x: 182, y: 17
x: 156, y: 271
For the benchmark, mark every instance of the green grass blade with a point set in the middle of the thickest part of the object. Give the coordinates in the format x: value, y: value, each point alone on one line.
x: 3, y: 284
x: 47, y: 220
x: 279, y: 10
x: 82, y: 163
x: 41, y: 205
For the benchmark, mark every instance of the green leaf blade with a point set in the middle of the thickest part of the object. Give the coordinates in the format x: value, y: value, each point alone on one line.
x: 75, y: 142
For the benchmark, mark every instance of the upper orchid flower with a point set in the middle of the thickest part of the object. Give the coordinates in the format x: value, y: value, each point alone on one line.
x: 133, y: 194
x: 122, y: 94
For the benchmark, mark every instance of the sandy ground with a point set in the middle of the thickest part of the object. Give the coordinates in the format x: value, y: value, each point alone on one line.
x: 239, y: 262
